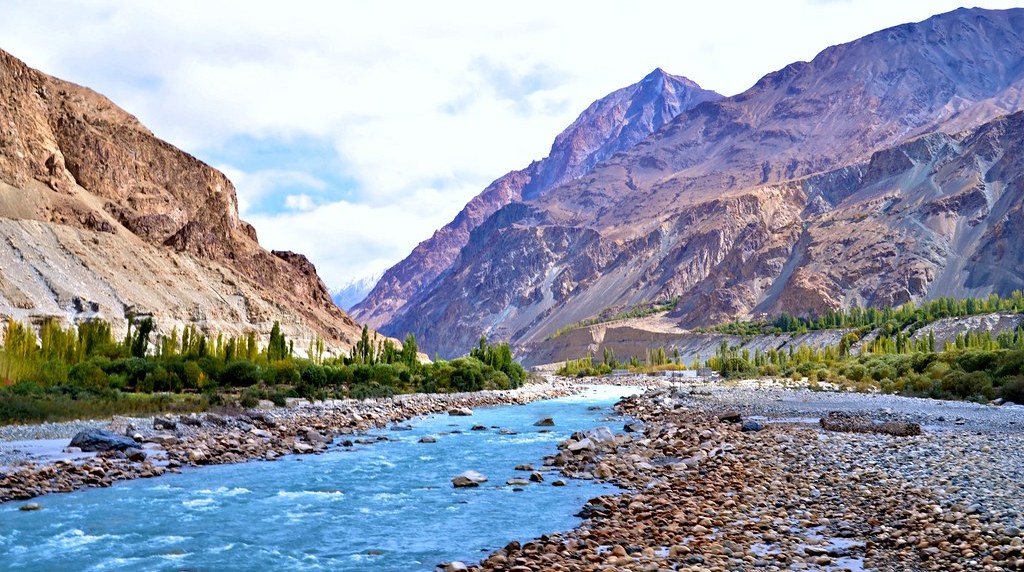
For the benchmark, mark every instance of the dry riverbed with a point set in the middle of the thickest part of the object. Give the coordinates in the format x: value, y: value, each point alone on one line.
x: 703, y: 494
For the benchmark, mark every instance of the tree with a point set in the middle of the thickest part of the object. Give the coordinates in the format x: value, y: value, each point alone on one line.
x: 140, y: 341
x: 410, y: 352
x: 363, y: 351
x: 277, y: 348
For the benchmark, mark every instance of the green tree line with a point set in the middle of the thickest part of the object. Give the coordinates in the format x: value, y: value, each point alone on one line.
x: 63, y: 373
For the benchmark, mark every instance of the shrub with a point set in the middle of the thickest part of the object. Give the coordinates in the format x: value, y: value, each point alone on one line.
x: 87, y: 374
x: 368, y: 391
x: 968, y: 385
x: 313, y: 375
x: 972, y: 361
x: 1013, y: 390
x: 856, y: 372
x: 240, y: 373
x: 468, y: 375
x: 250, y: 397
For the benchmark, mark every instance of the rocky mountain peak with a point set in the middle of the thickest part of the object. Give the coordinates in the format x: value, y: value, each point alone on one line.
x: 609, y: 125
x: 720, y: 207
x: 101, y: 218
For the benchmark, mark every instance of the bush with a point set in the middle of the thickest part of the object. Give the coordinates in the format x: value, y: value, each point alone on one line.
x: 250, y: 397
x: 972, y: 361
x: 368, y: 391
x: 1011, y: 364
x: 313, y: 375
x: 968, y: 385
x: 1013, y: 390
x: 240, y: 373
x: 468, y: 375
x: 856, y: 372
x: 279, y: 398
x: 87, y: 374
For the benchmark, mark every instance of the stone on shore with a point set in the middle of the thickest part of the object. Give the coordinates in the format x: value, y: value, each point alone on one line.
x: 99, y: 440
x: 849, y: 423
x: 750, y: 426
x: 469, y: 479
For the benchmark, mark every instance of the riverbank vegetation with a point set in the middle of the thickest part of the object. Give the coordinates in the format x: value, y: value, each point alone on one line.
x: 880, y: 350
x: 908, y: 317
x: 83, y: 371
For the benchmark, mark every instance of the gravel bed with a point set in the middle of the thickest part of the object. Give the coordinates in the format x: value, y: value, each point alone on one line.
x: 769, y: 400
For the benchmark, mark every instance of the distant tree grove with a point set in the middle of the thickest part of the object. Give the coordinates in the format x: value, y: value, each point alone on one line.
x: 83, y: 370
x: 880, y: 349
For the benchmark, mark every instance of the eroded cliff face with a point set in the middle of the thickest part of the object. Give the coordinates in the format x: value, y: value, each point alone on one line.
x: 829, y: 183
x: 100, y: 218
x: 611, y: 124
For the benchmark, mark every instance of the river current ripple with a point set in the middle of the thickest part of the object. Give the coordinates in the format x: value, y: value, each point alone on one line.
x: 382, y: 506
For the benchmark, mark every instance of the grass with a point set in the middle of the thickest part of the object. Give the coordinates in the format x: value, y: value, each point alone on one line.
x: 23, y: 408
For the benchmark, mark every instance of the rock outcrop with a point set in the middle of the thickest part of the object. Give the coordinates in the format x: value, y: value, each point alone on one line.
x: 611, y: 124
x: 101, y: 218
x: 860, y: 177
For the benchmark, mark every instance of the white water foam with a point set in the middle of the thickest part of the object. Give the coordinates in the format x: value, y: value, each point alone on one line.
x: 225, y: 492
x: 75, y: 539
x: 200, y: 504
x: 320, y: 494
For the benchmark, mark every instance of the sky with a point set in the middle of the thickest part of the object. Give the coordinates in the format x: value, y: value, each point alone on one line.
x: 353, y: 130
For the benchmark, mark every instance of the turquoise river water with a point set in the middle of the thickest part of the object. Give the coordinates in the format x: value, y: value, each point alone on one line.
x: 385, y: 506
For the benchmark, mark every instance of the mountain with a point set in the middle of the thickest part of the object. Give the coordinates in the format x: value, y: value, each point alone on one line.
x: 611, y: 124
x: 100, y: 218
x: 739, y: 206
x: 354, y: 291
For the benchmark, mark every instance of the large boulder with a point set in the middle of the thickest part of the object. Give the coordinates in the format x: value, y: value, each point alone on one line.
x: 600, y: 435
x: 469, y: 479
x: 99, y: 440
x: 460, y: 412
x: 842, y: 421
x: 546, y: 422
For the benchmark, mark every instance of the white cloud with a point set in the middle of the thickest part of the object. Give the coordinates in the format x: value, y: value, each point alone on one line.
x: 418, y: 99
x: 346, y: 239
x: 253, y: 187
x: 299, y: 203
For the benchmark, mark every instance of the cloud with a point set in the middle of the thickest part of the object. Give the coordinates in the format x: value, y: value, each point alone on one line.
x: 384, y: 118
x: 299, y: 203
x: 347, y: 240
x: 255, y: 188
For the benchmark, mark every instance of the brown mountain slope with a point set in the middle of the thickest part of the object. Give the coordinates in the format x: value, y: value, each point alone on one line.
x: 611, y: 124
x: 704, y: 209
x: 100, y: 218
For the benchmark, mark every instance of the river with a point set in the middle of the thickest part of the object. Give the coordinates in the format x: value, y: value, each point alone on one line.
x: 388, y: 505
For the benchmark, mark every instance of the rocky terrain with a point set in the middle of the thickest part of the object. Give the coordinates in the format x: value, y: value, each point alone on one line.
x: 100, y: 218
x: 884, y: 170
x: 611, y: 124
x: 164, y: 444
x: 634, y: 337
x: 709, y: 488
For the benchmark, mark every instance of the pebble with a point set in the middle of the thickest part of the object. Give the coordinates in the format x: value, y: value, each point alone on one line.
x: 170, y: 442
x: 701, y: 494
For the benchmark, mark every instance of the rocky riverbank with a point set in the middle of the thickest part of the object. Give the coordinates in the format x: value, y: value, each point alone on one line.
x: 781, y: 493
x: 169, y: 443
